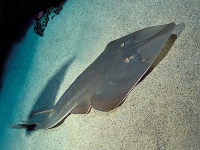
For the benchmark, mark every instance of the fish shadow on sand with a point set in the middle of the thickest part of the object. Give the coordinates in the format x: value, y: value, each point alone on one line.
x: 47, y: 98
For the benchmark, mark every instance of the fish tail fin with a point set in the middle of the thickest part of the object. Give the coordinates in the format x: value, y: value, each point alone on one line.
x: 28, y: 127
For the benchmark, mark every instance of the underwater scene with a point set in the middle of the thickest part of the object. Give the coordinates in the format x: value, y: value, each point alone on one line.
x: 96, y: 75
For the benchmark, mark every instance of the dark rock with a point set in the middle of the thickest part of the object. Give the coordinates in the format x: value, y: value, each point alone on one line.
x: 41, y: 23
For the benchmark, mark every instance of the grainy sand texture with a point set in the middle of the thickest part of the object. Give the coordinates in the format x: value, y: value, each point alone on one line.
x: 161, y: 113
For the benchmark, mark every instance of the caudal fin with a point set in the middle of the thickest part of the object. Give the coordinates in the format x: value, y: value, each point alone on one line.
x: 28, y: 127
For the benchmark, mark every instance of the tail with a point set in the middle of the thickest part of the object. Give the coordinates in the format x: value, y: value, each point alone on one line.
x: 28, y: 127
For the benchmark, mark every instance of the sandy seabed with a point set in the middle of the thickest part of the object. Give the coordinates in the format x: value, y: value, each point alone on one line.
x: 162, y: 112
